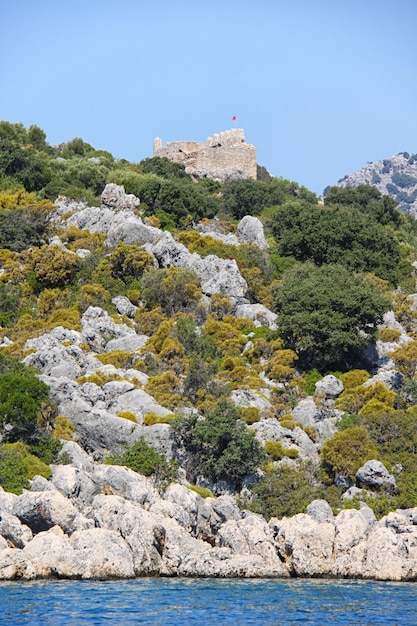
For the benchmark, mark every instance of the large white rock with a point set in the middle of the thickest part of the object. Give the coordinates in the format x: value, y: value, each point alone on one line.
x: 251, y: 230
x: 45, y: 509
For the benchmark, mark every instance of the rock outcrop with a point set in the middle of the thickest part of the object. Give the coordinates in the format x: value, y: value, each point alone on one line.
x: 108, y: 522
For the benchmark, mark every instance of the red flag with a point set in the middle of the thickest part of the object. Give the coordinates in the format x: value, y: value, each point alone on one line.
x: 233, y: 118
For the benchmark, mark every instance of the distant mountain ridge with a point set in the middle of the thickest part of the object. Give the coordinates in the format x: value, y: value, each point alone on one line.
x: 395, y: 176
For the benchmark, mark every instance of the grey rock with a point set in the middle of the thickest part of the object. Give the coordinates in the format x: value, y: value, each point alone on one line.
x: 99, y: 328
x: 115, y: 198
x: 375, y: 476
x: 271, y: 430
x: 246, y: 398
x: 78, y: 456
x: 105, y: 554
x: 320, y: 510
x: 16, y: 534
x: 124, y: 306
x: 141, y: 530
x: 75, y: 483
x: 123, y: 482
x: 128, y: 343
x: 380, y: 174
x: 45, y: 509
x: 323, y: 420
x: 258, y: 313
x: 15, y: 566
x: 331, y: 386
x: 392, y: 379
x: 248, y: 536
x: 250, y: 230
x: 129, y: 228
x: 7, y: 501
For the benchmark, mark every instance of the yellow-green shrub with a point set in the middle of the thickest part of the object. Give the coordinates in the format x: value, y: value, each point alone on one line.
x: 389, y: 335
x: 165, y: 388
x: 128, y: 415
x: 118, y: 358
x: 64, y: 428
x: 353, y: 400
x: 52, y: 265
x: 152, y: 418
x: 275, y: 449
x: 250, y: 414
x: 354, y: 378
x: 147, y: 322
x: 202, y: 491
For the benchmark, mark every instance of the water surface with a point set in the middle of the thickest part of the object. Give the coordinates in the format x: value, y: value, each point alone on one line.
x: 179, y: 601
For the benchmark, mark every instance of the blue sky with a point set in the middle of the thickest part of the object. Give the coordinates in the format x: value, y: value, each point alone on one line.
x: 319, y: 86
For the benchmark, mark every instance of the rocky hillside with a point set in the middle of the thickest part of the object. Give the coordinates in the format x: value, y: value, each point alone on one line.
x: 396, y: 176
x: 201, y: 379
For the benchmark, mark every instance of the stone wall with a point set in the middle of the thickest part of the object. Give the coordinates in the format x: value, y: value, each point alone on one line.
x: 224, y: 156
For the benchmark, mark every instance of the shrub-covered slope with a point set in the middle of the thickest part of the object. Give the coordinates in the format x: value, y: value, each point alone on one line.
x: 240, y: 337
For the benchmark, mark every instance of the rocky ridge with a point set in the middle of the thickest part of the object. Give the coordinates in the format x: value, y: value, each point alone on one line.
x: 395, y: 176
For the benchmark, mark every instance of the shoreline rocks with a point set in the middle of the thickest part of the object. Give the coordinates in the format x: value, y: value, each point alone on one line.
x: 92, y: 521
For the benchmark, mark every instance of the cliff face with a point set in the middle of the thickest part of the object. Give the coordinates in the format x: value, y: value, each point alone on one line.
x: 396, y: 176
x: 224, y: 156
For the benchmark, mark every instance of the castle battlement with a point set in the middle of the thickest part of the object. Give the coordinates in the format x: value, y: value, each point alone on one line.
x: 224, y: 156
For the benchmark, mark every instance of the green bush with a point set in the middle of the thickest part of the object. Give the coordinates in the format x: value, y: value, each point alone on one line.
x: 345, y: 452
x: 22, y: 395
x: 145, y: 460
x: 202, y: 491
x: 220, y: 447
x: 286, y: 490
x: 322, y: 311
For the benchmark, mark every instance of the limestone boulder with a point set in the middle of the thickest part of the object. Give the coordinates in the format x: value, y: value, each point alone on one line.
x: 350, y: 542
x: 51, y: 555
x: 98, y: 328
x: 7, y: 501
x: 124, y: 306
x: 15, y: 566
x: 115, y: 198
x: 251, y: 230
x: 142, y: 531
x: 42, y: 510
x: 129, y: 228
x: 323, y: 420
x: 271, y: 430
x: 374, y: 475
x: 248, y: 536
x: 247, y: 398
x: 75, y: 483
x: 392, y: 379
x: 307, y: 545
x: 16, y: 534
x: 259, y: 314
x: 330, y: 386
x: 123, y: 482
x: 78, y: 456
x: 104, y: 554
x: 320, y: 511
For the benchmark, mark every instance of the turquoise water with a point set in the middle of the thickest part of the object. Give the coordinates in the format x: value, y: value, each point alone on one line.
x: 208, y: 601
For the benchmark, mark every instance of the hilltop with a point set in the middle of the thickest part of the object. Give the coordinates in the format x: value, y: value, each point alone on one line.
x: 395, y: 176
x: 247, y: 352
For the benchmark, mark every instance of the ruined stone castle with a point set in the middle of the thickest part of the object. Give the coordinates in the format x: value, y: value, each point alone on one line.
x: 224, y: 156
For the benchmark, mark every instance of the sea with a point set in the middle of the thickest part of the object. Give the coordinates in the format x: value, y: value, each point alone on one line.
x: 184, y: 601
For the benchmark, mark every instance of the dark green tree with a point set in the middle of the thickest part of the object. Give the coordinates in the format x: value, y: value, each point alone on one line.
x: 327, y: 315
x: 286, y: 490
x: 22, y: 395
x: 336, y: 234
x: 220, y: 446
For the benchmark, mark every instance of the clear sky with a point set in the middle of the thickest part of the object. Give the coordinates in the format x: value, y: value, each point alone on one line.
x: 319, y: 86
